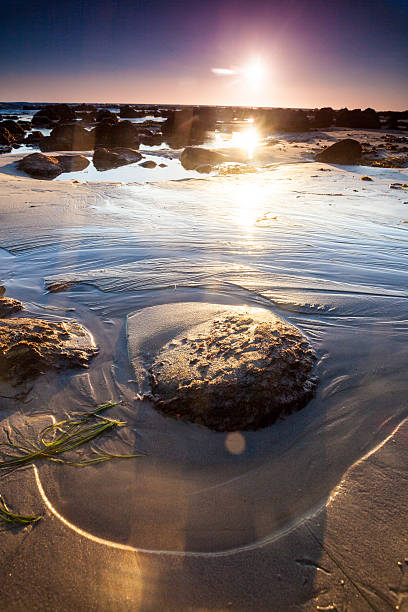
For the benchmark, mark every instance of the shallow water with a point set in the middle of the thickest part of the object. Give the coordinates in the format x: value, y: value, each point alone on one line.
x: 321, y: 249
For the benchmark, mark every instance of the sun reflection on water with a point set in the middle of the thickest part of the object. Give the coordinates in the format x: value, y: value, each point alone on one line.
x: 246, y: 139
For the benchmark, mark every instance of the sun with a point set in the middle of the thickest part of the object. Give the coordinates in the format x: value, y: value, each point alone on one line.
x: 254, y: 73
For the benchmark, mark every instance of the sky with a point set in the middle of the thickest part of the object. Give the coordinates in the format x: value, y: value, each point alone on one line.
x: 286, y: 53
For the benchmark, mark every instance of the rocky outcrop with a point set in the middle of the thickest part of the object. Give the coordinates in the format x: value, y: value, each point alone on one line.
x: 128, y: 112
x: 105, y: 159
x: 104, y: 114
x: 347, y: 151
x: 49, y: 115
x: 193, y: 157
x: 6, y: 139
x: 238, y: 371
x: 367, y: 119
x: 184, y: 127
x: 16, y: 130
x: 122, y: 134
x: 68, y: 137
x: 30, y: 347
x: 43, y: 166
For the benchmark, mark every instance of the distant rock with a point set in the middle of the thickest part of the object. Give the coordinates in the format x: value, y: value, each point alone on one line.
x: 162, y: 165
x: 128, y: 112
x: 105, y: 159
x: 193, y: 157
x: 148, y: 164
x: 104, y: 114
x: 52, y: 113
x: 34, y: 137
x: 30, y: 347
x: 122, y: 134
x: 347, y: 151
x: 68, y: 137
x: 241, y: 370
x: 40, y: 166
x: 367, y: 119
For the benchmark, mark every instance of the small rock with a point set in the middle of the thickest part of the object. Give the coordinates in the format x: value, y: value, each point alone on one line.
x: 193, y: 157
x: 29, y: 347
x: 9, y: 306
x: 366, y: 178
x: 148, y: 164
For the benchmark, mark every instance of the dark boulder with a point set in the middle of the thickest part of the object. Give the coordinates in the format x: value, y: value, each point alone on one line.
x: 148, y: 164
x: 104, y: 113
x: 128, y: 112
x: 123, y: 134
x: 41, y: 166
x: 34, y: 137
x: 15, y: 130
x: 193, y: 157
x: 345, y: 152
x: 6, y: 139
x: 183, y: 128
x: 105, y: 159
x: 68, y: 137
x: 53, y: 113
x: 73, y: 163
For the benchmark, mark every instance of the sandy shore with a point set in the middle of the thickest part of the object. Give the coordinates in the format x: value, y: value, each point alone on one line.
x: 287, y: 525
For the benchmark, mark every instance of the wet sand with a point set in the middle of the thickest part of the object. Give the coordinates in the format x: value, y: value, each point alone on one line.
x: 311, y: 511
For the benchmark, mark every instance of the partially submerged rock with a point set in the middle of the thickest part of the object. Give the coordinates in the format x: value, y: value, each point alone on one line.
x: 29, y: 347
x: 240, y: 370
x: 149, y: 163
x: 8, y: 306
x: 347, y: 151
x: 105, y: 159
x: 193, y: 157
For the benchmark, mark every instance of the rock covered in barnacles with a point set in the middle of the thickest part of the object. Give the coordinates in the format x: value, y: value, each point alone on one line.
x: 29, y: 347
x: 238, y: 371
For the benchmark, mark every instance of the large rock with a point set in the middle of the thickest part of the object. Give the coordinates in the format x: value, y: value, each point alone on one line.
x: 184, y: 127
x: 240, y: 370
x: 29, y: 347
x: 347, y: 151
x: 6, y: 139
x: 122, y: 134
x: 73, y: 163
x: 41, y: 166
x: 104, y: 114
x: 69, y: 137
x: 16, y: 130
x: 193, y: 157
x: 105, y: 159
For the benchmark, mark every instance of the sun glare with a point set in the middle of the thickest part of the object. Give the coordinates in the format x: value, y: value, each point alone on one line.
x: 254, y: 73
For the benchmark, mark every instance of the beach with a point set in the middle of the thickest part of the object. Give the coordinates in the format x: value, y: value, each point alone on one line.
x: 308, y: 513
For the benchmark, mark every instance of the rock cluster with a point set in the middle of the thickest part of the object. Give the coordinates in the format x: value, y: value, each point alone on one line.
x: 43, y: 166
